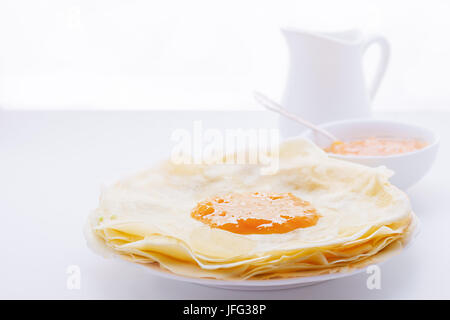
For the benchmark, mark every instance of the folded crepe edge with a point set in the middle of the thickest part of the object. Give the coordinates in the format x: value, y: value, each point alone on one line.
x: 384, y: 254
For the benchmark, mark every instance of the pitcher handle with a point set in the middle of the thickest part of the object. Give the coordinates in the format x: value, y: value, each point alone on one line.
x: 385, y: 51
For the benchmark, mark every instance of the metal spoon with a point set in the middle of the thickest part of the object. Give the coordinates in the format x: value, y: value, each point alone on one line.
x: 273, y: 106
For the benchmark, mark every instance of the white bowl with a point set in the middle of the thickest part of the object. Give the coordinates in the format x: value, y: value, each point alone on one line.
x: 408, y: 168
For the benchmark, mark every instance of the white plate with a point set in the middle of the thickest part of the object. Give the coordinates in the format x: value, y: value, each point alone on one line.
x: 259, y: 285
x: 253, y: 285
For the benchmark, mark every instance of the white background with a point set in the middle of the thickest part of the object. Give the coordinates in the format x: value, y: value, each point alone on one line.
x: 174, y: 54
x: 203, y: 54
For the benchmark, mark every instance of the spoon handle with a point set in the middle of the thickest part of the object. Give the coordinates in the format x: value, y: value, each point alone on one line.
x: 273, y: 106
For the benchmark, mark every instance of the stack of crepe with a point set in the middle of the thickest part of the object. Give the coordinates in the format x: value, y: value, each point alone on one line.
x: 147, y: 218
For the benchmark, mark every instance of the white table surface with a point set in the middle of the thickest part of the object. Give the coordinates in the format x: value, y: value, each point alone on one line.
x: 54, y: 163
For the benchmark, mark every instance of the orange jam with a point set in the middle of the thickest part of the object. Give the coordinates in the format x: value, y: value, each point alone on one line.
x: 256, y: 213
x: 375, y: 146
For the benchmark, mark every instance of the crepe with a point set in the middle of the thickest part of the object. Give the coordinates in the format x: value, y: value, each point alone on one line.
x: 147, y: 218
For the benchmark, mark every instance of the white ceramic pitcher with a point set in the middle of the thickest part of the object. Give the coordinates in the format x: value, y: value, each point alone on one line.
x: 326, y: 80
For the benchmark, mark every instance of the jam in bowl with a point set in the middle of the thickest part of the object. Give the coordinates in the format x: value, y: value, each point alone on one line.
x: 408, y: 150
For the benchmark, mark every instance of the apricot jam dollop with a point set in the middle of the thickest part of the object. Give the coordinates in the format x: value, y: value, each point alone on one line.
x: 375, y: 146
x: 256, y: 213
